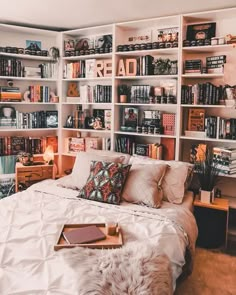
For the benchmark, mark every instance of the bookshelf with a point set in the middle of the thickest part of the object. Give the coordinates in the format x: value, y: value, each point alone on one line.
x: 28, y: 69
x: 125, y: 36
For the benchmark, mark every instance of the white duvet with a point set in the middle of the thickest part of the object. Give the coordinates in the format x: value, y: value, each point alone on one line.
x: 30, y: 223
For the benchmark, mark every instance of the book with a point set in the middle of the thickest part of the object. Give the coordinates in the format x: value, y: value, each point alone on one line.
x: 51, y: 119
x: 196, y: 120
x: 131, y: 117
x: 74, y: 144
x: 87, y: 234
x: 94, y: 143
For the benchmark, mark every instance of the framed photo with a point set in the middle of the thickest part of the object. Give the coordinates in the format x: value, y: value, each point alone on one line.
x: 131, y: 117
x: 33, y: 45
x: 103, y: 41
x: 201, y: 31
x: 51, y: 119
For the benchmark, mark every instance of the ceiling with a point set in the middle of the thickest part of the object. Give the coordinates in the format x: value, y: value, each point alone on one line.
x: 69, y: 14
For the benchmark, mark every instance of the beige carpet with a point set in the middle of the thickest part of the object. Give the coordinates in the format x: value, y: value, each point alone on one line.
x: 214, y: 274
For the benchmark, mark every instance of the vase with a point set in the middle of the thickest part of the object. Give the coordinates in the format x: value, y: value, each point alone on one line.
x: 123, y: 98
x: 206, y: 196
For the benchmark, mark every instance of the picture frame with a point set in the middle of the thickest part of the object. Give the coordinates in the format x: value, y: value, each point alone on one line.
x: 201, y: 31
x: 51, y: 119
x: 33, y: 45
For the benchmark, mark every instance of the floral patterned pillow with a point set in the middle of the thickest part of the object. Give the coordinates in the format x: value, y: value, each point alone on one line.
x: 105, y: 182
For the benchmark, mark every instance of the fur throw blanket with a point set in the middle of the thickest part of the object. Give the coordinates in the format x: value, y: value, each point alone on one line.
x: 133, y: 270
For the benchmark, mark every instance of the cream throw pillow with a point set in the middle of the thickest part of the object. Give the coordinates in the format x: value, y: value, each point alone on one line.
x: 81, y: 169
x: 175, y: 180
x: 143, y: 184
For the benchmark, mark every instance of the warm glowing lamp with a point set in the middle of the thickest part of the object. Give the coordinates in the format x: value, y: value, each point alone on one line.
x: 48, y: 155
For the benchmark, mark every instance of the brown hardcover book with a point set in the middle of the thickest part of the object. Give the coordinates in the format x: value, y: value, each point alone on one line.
x: 168, y: 148
x: 196, y: 120
x: 87, y: 234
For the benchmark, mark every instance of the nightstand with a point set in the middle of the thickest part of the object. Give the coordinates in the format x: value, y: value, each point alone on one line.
x: 212, y: 221
x: 27, y: 175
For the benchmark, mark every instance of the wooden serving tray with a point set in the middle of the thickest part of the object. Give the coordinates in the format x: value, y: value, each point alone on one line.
x: 115, y: 241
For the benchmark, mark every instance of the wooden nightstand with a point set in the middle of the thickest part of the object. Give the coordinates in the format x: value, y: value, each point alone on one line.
x: 212, y: 221
x: 27, y: 175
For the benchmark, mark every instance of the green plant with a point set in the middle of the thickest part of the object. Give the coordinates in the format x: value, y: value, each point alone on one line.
x: 207, y: 171
x: 123, y: 89
x: 25, y: 158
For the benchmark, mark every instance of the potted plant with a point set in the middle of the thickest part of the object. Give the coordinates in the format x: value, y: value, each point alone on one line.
x: 207, y: 174
x: 24, y: 158
x: 123, y: 91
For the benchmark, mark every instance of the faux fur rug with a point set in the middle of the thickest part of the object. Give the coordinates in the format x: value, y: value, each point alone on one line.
x: 213, y: 274
x: 126, y: 271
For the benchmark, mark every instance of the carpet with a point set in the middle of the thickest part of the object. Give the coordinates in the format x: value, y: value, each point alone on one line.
x: 213, y: 274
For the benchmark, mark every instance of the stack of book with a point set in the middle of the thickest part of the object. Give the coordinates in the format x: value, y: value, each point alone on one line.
x: 215, y: 64
x: 193, y: 66
x: 225, y: 159
x: 10, y: 94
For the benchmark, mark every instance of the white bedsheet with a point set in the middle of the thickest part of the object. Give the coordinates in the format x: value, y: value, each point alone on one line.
x: 30, y: 222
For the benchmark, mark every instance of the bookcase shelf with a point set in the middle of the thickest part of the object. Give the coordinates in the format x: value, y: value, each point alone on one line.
x: 144, y: 135
x: 156, y: 52
x: 27, y: 129
x: 87, y: 130
x: 90, y: 56
x: 26, y: 56
x: 204, y: 106
x: 210, y: 48
x: 27, y: 79
x: 89, y: 79
x: 126, y: 34
x: 203, y: 76
x: 147, y: 77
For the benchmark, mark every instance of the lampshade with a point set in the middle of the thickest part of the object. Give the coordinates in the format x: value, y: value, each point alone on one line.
x: 48, y: 155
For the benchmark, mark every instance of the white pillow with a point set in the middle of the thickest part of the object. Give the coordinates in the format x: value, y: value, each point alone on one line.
x: 175, y: 180
x: 81, y: 169
x: 143, y: 184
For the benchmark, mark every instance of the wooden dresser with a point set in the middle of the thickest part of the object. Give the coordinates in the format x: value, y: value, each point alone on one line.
x: 28, y: 175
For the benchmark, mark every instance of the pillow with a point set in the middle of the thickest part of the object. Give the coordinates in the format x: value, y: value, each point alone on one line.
x: 143, y: 185
x: 176, y: 179
x: 126, y: 157
x: 105, y: 182
x: 81, y: 169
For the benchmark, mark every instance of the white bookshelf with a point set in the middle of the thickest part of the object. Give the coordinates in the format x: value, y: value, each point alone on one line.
x: 16, y: 36
x: 225, y: 24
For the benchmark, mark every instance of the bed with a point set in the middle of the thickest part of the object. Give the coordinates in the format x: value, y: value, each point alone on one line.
x: 156, y: 244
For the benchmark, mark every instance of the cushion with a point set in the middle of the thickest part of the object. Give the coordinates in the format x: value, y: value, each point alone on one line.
x: 81, y: 169
x: 176, y: 179
x: 105, y: 182
x: 126, y: 157
x: 143, y: 184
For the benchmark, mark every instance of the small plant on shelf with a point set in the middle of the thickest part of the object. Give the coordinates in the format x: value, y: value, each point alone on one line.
x: 207, y: 173
x: 25, y: 158
x: 123, y: 92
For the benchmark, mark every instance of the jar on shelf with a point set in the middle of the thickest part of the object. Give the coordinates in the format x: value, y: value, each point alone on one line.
x: 174, y: 67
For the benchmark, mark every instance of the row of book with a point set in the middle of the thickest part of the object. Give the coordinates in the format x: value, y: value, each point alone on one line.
x: 214, y: 64
x: 225, y: 159
x: 39, y: 119
x: 94, y: 94
x: 39, y: 93
x: 74, y: 70
x: 84, y: 119
x: 13, y: 67
x: 78, y: 144
x: 202, y: 93
x: 127, y: 145
x: 12, y: 145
